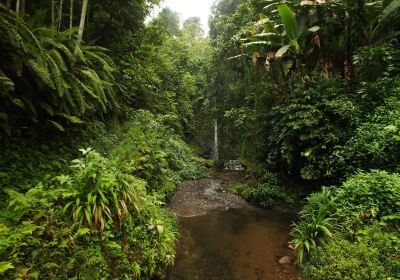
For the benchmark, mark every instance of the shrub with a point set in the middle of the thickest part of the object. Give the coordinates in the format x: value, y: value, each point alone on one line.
x: 368, y: 197
x: 152, y: 152
x: 374, y: 256
x: 102, y: 217
x: 375, y: 143
x: 266, y: 193
x: 303, y: 132
x: 96, y: 223
x: 366, y: 245
x: 100, y: 195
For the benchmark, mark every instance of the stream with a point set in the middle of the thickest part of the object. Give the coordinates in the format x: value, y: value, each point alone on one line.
x: 224, y: 238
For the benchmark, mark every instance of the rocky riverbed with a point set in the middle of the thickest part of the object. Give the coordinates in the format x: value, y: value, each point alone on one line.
x: 198, y: 197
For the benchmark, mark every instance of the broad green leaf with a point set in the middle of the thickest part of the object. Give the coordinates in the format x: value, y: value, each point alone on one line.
x: 282, y: 51
x: 289, y: 21
x: 389, y: 9
x: 257, y: 43
x: 313, y: 29
x: 391, y: 128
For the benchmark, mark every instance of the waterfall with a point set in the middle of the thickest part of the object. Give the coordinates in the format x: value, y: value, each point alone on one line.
x: 215, y: 151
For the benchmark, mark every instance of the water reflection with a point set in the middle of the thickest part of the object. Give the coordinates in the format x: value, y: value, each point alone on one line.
x: 234, y: 244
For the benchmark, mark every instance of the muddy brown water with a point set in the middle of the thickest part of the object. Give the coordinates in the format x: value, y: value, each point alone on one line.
x: 243, y: 243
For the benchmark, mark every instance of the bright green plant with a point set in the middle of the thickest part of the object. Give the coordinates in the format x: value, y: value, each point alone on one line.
x: 95, y: 216
x: 344, y: 215
x: 311, y: 232
x: 317, y: 224
x: 368, y: 197
x: 100, y: 195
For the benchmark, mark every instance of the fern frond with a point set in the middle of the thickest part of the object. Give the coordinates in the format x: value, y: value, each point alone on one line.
x: 56, y: 125
x: 58, y: 59
x: 6, y: 84
x: 71, y: 119
x: 76, y: 92
x: 47, y: 107
x: 40, y: 70
x: 56, y: 75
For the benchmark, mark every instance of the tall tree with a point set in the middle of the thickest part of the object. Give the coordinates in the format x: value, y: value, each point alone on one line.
x: 60, y: 12
x: 17, y: 6
x: 169, y: 21
x: 82, y: 22
x: 71, y: 13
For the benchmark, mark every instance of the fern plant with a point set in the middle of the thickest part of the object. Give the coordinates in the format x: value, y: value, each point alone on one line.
x: 46, y: 78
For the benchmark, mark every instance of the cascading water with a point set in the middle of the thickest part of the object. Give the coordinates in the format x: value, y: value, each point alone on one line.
x: 215, y: 150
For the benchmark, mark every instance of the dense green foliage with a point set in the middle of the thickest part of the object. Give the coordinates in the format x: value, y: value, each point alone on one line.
x: 293, y: 108
x: 101, y: 217
x: 46, y: 78
x: 362, y: 216
x: 309, y: 90
x: 266, y: 192
x: 102, y: 212
x: 153, y: 152
x: 98, y: 101
x: 85, y: 170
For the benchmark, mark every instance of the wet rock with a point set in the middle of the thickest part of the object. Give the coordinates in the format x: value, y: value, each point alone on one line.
x: 195, y: 198
x: 285, y: 260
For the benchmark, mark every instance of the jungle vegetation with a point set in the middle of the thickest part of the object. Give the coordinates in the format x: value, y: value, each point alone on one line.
x: 95, y: 107
x: 306, y: 95
x: 104, y: 111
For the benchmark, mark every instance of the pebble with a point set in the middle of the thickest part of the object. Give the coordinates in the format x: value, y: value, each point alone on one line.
x: 285, y: 260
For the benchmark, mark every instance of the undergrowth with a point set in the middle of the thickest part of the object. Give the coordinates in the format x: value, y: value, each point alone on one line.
x: 352, y: 231
x: 266, y: 191
x: 99, y: 216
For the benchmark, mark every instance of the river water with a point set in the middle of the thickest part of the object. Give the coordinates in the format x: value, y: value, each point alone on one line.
x: 242, y: 243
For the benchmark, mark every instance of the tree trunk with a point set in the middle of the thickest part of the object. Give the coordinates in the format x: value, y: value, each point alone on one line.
x: 52, y: 14
x: 23, y: 6
x: 71, y: 13
x: 60, y: 11
x: 82, y: 22
x: 8, y: 4
x: 17, y: 6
